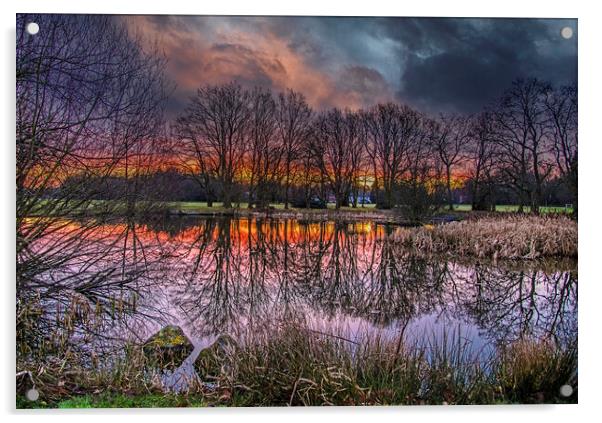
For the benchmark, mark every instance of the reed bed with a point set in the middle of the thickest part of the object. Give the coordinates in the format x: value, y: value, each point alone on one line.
x: 496, y: 237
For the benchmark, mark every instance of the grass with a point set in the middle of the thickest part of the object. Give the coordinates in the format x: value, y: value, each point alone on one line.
x: 201, y: 207
x: 281, y: 364
x: 496, y: 236
x: 116, y: 400
x: 527, y: 370
x: 53, y: 207
x: 289, y: 365
x: 114, y: 206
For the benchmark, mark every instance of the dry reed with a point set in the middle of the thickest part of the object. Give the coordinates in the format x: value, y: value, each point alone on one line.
x: 497, y: 237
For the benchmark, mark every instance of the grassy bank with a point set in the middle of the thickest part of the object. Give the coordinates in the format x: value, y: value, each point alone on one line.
x: 288, y: 364
x: 202, y: 207
x: 277, y: 210
x: 199, y: 206
x: 497, y: 237
x: 100, y: 207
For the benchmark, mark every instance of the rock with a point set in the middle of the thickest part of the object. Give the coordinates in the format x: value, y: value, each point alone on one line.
x: 217, y: 358
x: 168, y: 348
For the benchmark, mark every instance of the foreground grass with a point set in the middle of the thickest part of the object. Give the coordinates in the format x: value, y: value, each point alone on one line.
x: 288, y: 364
x: 501, y: 236
x: 291, y: 366
x: 114, y: 400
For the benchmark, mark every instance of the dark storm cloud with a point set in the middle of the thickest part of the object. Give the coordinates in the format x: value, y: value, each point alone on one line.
x: 465, y: 63
x: 434, y: 64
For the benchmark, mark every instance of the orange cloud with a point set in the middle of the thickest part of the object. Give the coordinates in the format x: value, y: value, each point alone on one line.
x: 220, y: 54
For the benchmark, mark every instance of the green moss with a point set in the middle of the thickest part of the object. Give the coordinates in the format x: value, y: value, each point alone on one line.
x: 168, y: 348
x: 169, y: 336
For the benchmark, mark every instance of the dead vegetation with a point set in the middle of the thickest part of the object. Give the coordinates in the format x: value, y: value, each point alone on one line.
x: 496, y: 237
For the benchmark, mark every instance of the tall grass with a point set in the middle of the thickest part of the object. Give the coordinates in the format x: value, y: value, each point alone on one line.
x: 289, y: 365
x: 504, y: 237
x: 529, y: 371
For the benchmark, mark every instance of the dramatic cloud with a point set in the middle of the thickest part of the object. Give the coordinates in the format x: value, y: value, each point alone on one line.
x: 434, y: 64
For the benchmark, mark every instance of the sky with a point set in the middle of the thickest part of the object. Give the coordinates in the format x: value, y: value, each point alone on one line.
x: 432, y: 64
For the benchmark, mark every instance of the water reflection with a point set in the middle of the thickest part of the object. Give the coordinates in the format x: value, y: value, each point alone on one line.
x: 233, y: 273
x: 223, y: 275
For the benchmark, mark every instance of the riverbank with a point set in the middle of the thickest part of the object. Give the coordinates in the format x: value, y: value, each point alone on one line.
x: 347, y: 214
x: 111, y: 208
x: 114, y: 208
x: 288, y: 364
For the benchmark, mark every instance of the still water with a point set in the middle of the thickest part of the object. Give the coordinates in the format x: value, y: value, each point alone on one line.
x: 213, y: 276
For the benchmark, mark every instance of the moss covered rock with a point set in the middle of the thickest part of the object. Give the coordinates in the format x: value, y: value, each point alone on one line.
x: 168, y: 348
x: 217, y: 358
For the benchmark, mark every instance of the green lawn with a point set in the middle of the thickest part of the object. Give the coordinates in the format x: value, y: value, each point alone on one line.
x: 119, y: 401
x: 201, y: 207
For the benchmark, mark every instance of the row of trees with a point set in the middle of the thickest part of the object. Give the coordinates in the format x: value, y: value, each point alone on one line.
x: 230, y: 137
x: 229, y: 134
x: 90, y: 110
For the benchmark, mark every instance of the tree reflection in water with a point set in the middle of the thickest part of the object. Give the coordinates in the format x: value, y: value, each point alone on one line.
x: 230, y: 274
x: 227, y: 275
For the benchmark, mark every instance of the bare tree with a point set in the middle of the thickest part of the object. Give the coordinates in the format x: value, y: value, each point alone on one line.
x: 264, y: 151
x: 84, y: 105
x: 523, y: 141
x: 390, y: 130
x: 294, y: 126
x: 193, y: 157
x: 481, y: 160
x: 309, y: 177
x: 89, y: 108
x: 420, y: 192
x: 450, y: 139
x: 561, y: 107
x: 335, y: 146
x: 215, y: 123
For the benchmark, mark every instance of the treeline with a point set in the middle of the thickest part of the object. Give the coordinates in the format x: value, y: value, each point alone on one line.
x: 252, y: 145
x: 173, y: 185
x: 235, y: 143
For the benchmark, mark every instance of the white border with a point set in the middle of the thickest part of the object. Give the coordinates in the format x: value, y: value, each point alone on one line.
x: 590, y: 72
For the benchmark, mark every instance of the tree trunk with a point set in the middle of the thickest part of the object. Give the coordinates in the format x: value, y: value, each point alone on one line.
x: 286, y: 186
x: 388, y: 188
x: 450, y: 201
x: 226, y: 196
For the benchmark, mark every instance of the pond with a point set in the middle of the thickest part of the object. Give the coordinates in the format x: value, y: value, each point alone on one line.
x: 213, y: 276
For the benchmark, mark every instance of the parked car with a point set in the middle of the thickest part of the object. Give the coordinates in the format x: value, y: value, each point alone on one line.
x: 315, y: 202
